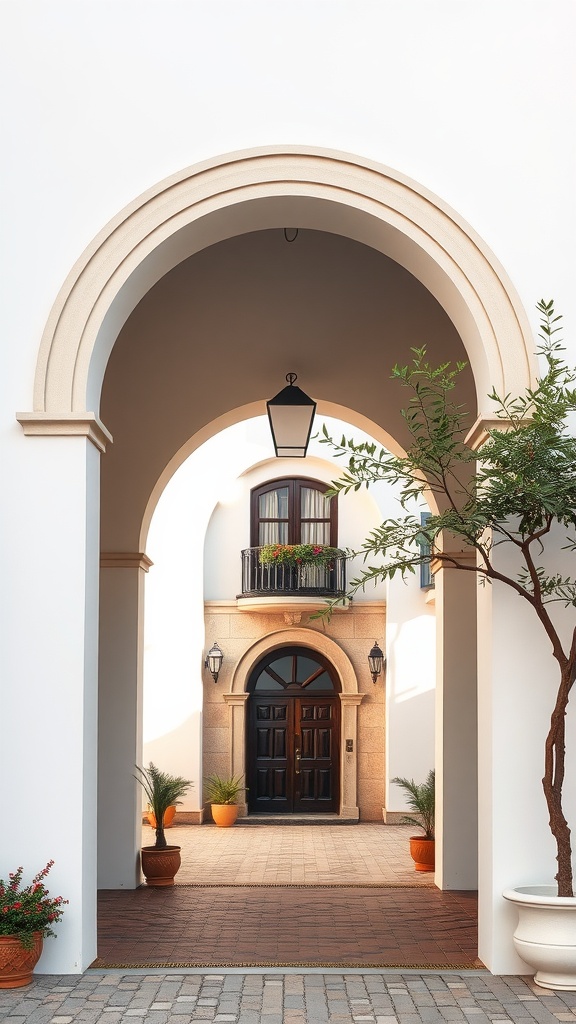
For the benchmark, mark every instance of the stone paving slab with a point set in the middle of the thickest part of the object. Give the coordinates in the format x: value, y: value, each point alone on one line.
x: 369, y: 853
x: 284, y: 997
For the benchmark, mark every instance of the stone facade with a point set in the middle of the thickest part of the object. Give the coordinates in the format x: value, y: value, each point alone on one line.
x: 346, y: 641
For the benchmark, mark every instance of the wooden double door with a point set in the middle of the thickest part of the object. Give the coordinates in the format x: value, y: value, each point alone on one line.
x: 293, y: 753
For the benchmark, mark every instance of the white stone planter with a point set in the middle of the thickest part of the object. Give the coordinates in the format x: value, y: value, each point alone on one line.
x: 545, y: 936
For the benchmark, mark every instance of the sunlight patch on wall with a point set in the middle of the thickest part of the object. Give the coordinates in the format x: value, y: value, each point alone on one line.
x: 410, y: 646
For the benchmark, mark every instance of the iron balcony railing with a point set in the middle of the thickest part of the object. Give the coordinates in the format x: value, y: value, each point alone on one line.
x: 297, y: 580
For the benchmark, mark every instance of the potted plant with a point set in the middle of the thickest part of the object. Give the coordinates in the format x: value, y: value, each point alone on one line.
x: 421, y: 799
x: 296, y: 555
x: 515, y: 492
x: 169, y: 815
x: 222, y: 794
x: 160, y: 862
x: 27, y: 914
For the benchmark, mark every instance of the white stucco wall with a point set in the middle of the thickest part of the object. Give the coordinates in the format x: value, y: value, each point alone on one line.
x: 105, y: 100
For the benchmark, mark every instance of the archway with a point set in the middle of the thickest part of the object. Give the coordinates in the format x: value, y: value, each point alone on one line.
x: 349, y: 700
x: 255, y: 190
x: 326, y: 193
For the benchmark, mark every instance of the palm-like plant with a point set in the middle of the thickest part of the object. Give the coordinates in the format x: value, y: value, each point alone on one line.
x: 224, y: 790
x: 162, y: 791
x: 421, y: 798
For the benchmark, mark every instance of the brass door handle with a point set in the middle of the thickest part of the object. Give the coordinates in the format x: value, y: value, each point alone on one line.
x: 297, y: 760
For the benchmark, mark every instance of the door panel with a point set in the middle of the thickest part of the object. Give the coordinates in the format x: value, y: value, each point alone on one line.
x: 270, y: 734
x: 293, y: 754
x: 317, y: 770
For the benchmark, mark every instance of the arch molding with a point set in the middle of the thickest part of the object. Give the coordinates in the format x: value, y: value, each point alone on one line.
x: 253, y: 190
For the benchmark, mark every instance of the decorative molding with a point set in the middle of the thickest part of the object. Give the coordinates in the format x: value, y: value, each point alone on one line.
x: 372, y: 203
x: 189, y: 817
x: 478, y: 434
x: 236, y: 698
x: 125, y: 560
x: 292, y: 618
x: 351, y: 812
x: 352, y: 699
x: 66, y: 425
x: 392, y: 817
x: 298, y: 636
x: 468, y: 557
x: 286, y: 605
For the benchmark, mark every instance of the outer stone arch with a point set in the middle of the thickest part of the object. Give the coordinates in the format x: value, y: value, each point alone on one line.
x: 252, y: 190
x: 350, y: 698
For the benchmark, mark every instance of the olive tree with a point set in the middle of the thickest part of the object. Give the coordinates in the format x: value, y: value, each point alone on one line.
x: 516, y: 490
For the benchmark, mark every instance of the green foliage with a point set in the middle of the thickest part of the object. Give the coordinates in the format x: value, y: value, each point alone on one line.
x: 298, y: 554
x: 28, y: 909
x: 223, y: 790
x: 162, y: 791
x: 523, y: 483
x: 421, y: 798
x: 514, y: 490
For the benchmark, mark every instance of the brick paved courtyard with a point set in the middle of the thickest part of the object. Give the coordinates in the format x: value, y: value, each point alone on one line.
x: 272, y: 895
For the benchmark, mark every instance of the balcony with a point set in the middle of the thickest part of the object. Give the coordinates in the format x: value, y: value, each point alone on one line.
x: 268, y: 585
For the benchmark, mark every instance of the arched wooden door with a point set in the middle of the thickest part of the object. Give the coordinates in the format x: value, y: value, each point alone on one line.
x: 293, y: 734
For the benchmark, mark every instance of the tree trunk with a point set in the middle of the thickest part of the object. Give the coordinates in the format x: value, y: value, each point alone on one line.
x: 554, y: 765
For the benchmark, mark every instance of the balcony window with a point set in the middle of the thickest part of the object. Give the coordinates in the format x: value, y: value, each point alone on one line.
x: 293, y: 512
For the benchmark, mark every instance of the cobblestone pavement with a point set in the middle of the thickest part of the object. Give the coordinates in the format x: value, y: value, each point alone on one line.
x: 285, y: 998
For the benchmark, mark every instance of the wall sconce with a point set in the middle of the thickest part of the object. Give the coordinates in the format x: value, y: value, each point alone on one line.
x: 376, y: 661
x: 214, y: 660
x: 291, y: 414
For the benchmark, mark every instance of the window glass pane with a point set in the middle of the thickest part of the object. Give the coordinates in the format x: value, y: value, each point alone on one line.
x: 322, y: 683
x: 314, y: 504
x: 283, y: 668
x: 265, y: 682
x: 273, y: 504
x: 273, y: 533
x: 306, y: 667
x: 315, y: 533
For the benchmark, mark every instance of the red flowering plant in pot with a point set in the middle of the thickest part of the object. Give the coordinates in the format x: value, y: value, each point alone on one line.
x: 27, y: 914
x: 299, y: 554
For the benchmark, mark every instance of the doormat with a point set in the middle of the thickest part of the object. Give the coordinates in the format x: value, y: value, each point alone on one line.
x: 300, y: 885
x: 102, y: 964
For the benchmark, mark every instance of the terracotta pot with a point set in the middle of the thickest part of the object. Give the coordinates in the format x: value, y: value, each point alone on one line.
x: 168, y: 817
x: 422, y: 852
x: 224, y: 815
x: 17, y: 963
x: 160, y: 866
x: 545, y: 935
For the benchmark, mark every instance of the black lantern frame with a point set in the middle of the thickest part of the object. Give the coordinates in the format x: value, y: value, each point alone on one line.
x: 376, y: 661
x: 214, y: 660
x: 291, y: 414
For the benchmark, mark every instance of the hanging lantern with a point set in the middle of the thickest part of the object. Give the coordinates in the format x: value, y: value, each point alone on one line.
x: 291, y: 414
